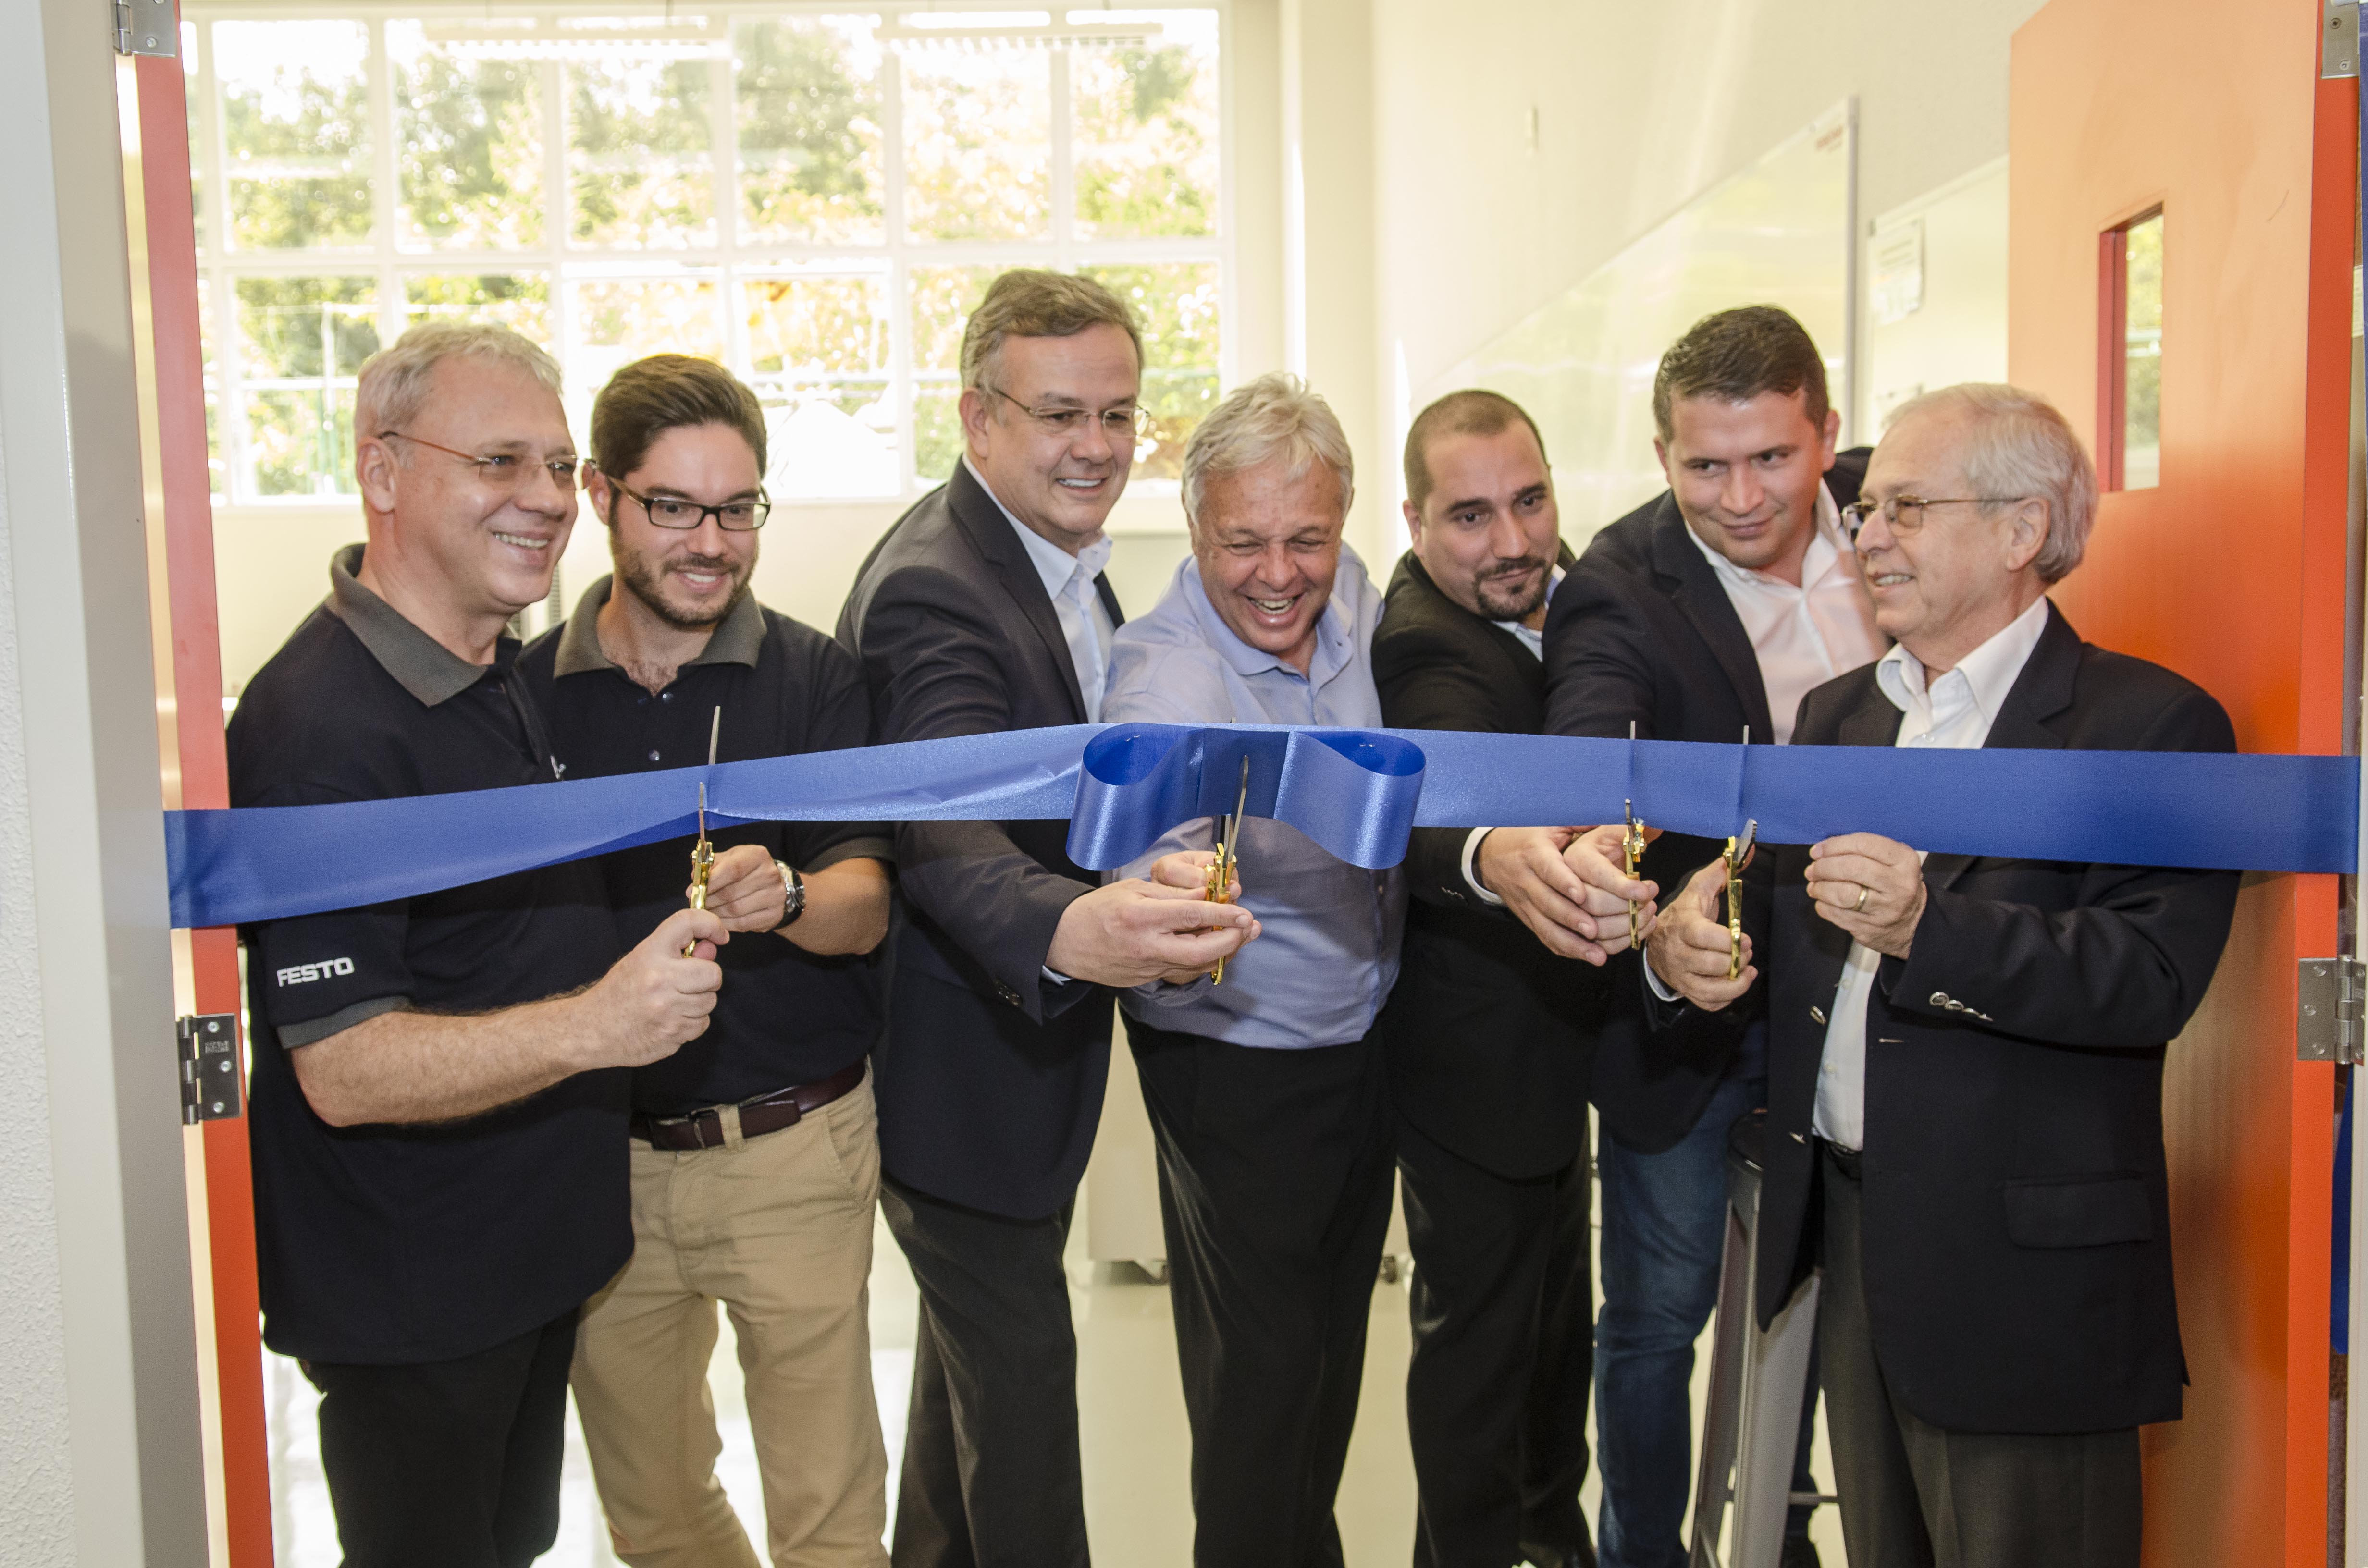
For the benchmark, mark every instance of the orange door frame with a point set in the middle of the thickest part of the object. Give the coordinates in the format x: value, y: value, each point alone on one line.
x: 196, y: 693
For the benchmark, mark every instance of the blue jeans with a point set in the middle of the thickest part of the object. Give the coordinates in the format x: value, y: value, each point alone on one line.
x: 1664, y: 1229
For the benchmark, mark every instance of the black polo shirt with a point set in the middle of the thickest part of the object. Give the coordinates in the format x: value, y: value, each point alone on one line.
x: 785, y: 1016
x: 394, y: 1244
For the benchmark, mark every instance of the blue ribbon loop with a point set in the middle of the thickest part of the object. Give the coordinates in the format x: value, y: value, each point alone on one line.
x: 1353, y: 792
x: 1356, y: 792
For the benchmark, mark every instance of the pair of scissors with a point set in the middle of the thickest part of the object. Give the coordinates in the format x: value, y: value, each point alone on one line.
x: 703, y: 853
x: 1222, y: 870
x: 1738, y: 855
x: 1631, y: 852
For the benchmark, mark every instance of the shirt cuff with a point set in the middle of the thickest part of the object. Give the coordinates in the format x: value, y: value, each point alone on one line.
x: 311, y: 1031
x: 1663, y: 992
x: 1471, y: 878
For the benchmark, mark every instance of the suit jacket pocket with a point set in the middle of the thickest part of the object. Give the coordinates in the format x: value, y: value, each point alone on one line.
x: 2078, y: 1211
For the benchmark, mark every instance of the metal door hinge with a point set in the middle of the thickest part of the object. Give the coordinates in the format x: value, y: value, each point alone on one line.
x: 2338, y: 38
x: 210, y: 1088
x: 2328, y: 1011
x: 146, y: 26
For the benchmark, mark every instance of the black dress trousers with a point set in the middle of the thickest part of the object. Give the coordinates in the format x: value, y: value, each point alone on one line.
x: 990, y: 1475
x: 1915, y: 1496
x: 449, y: 1462
x: 1274, y: 1191
x: 1504, y: 1352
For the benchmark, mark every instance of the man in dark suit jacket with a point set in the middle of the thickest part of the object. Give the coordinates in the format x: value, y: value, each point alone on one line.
x: 1490, y: 1034
x: 1965, y: 1074
x: 983, y: 609
x: 1705, y: 612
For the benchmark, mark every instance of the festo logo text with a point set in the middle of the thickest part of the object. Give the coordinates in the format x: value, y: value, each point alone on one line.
x: 304, y: 973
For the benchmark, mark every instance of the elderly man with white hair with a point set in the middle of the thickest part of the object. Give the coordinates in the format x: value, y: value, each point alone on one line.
x: 1268, y: 1092
x: 439, y: 1111
x: 1964, y: 1125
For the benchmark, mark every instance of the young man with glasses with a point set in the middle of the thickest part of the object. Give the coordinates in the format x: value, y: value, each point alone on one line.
x: 439, y: 1116
x: 755, y: 1153
x: 984, y: 609
x: 1705, y: 613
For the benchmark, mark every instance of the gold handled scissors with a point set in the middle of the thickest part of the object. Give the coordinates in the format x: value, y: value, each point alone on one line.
x: 1738, y: 855
x: 703, y: 853
x: 1631, y: 853
x: 1222, y: 870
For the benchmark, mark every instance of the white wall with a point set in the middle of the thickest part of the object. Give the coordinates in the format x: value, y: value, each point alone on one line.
x: 1638, y: 109
x: 1959, y: 332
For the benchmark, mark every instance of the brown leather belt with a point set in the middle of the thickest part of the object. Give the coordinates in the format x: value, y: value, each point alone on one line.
x: 768, y: 1113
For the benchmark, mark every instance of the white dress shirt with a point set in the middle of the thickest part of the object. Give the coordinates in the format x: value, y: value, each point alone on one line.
x: 1069, y: 579
x: 1802, y: 634
x: 1535, y: 639
x: 1952, y: 713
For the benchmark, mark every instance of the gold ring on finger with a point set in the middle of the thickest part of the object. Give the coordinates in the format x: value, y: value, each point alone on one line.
x: 1860, y: 905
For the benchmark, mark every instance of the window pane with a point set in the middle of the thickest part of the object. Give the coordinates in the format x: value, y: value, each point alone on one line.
x: 620, y: 320
x: 301, y: 340
x: 808, y: 110
x: 818, y: 354
x: 1177, y: 304
x: 295, y: 109
x: 639, y: 173
x: 2141, y: 365
x: 520, y: 302
x: 978, y: 145
x: 468, y: 146
x: 1146, y: 132
x: 942, y: 298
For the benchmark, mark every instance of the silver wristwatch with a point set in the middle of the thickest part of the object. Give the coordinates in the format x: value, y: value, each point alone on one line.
x: 794, y: 890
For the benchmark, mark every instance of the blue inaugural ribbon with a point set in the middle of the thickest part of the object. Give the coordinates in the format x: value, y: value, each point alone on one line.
x: 1356, y: 792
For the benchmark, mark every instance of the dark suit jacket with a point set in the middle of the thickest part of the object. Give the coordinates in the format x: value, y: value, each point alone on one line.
x: 2017, y: 1226
x: 989, y: 1077
x: 1642, y: 633
x: 1490, y: 1036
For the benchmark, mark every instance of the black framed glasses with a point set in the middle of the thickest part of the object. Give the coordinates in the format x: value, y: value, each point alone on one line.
x: 682, y: 512
x: 1904, y: 514
x: 496, y: 471
x: 1130, y: 423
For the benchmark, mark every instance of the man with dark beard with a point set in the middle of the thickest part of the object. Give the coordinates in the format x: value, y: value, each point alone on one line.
x: 1492, y: 1036
x: 755, y: 1156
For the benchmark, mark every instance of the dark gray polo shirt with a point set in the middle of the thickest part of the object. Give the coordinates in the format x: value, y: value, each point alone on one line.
x: 382, y: 1243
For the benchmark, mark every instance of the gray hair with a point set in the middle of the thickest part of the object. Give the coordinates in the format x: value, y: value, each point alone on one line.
x: 1030, y: 302
x: 1273, y: 417
x: 2019, y: 446
x: 395, y: 380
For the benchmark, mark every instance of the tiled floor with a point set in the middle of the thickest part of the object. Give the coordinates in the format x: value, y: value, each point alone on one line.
x: 1130, y: 1401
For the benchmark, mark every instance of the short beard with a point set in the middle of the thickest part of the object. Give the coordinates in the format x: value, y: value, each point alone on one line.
x: 1507, y: 609
x: 649, y: 586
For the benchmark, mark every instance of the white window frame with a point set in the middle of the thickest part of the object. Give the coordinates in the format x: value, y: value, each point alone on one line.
x: 726, y: 262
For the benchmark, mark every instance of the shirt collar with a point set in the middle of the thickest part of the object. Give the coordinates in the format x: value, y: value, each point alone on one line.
x: 1336, y: 643
x: 1052, y: 563
x: 1990, y: 670
x: 1828, y: 522
x: 737, y: 639
x: 1534, y: 638
x: 420, y: 664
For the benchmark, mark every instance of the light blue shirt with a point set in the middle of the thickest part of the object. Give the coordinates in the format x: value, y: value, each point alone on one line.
x: 1329, y: 952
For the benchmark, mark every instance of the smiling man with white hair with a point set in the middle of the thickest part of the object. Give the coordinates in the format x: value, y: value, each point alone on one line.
x: 1965, y: 1054
x: 1267, y: 1092
x: 439, y: 1124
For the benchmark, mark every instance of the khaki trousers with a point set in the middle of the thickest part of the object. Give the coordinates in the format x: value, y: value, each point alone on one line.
x: 778, y: 1228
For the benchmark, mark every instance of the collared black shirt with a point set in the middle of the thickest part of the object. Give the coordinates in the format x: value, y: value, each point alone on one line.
x: 393, y: 1244
x: 785, y: 1016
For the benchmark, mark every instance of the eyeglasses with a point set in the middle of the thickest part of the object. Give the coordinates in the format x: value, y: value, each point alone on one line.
x: 1904, y: 514
x: 496, y: 471
x: 680, y: 512
x: 1128, y: 424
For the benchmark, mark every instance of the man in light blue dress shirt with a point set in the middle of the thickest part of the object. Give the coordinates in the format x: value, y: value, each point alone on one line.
x: 1267, y: 1093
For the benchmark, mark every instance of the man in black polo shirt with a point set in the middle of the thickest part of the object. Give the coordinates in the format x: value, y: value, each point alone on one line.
x: 439, y: 1123
x: 755, y: 1156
